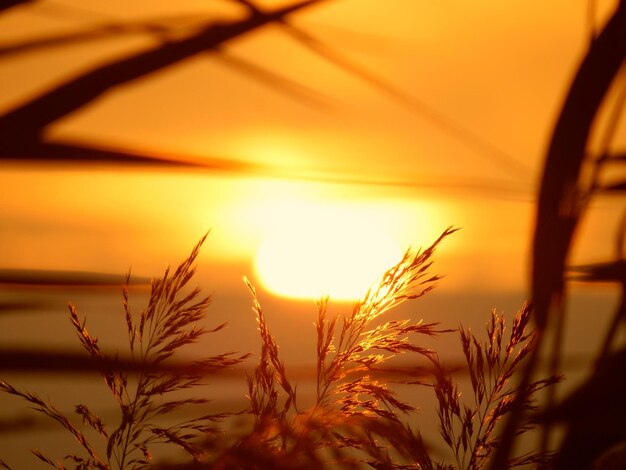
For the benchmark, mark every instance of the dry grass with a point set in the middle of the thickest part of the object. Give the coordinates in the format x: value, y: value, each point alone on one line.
x: 166, y: 326
x: 574, y: 174
x: 355, y: 420
x: 469, y: 429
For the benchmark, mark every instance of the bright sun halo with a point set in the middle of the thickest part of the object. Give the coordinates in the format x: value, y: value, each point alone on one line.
x: 325, y: 251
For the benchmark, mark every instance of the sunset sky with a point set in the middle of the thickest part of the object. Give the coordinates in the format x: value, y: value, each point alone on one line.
x: 324, y: 148
x: 439, y: 116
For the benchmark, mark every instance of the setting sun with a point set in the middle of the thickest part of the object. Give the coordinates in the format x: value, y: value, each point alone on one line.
x: 325, y: 250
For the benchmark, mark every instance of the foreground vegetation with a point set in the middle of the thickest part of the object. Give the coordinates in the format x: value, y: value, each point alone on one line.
x: 356, y: 419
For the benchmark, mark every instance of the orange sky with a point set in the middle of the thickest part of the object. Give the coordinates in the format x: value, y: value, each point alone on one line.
x: 422, y: 115
x: 441, y: 85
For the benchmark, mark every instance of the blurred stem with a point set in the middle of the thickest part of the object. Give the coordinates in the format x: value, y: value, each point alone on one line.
x: 559, y: 202
x: 619, y: 316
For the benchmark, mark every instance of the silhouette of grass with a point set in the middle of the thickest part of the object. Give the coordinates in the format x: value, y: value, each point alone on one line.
x: 564, y: 195
x: 143, y: 395
x: 470, y: 429
x: 356, y: 418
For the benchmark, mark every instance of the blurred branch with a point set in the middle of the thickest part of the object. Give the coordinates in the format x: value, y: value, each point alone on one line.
x: 594, y: 413
x: 38, y: 277
x: 42, y: 361
x: 159, y: 27
x: 58, y: 362
x: 8, y: 4
x: 74, y: 153
x: 612, y: 271
x: 69, y: 154
x: 453, y: 128
x: 561, y: 199
x: 477, y: 186
x: 17, y: 305
x: 22, y: 129
x: 27, y: 122
x: 276, y: 81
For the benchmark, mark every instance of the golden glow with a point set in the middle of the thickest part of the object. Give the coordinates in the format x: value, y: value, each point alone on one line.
x: 323, y: 249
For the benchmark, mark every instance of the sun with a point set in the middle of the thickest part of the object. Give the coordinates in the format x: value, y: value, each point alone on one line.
x: 325, y: 250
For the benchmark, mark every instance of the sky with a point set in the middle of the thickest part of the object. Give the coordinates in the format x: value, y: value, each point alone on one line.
x: 439, y: 116
x: 375, y: 124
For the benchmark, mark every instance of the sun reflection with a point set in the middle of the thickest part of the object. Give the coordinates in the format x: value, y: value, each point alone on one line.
x: 322, y: 249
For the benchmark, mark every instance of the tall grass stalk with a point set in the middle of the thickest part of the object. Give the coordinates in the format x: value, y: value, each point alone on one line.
x: 356, y: 418
x: 145, y: 396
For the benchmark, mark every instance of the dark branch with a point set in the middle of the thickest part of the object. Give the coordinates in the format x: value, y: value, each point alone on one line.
x: 28, y: 122
x: 39, y: 277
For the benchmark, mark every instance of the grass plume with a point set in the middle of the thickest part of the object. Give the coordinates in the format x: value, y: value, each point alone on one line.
x: 144, y: 396
x: 356, y: 417
x: 352, y: 410
x: 469, y: 429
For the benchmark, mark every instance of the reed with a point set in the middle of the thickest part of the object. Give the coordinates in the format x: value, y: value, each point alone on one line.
x: 356, y: 418
x: 470, y: 428
x: 145, y: 395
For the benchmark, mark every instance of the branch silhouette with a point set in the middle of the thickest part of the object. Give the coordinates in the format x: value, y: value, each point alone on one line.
x: 22, y: 126
x: 22, y: 130
x: 157, y: 27
x: 8, y: 4
x: 70, y: 153
x: 273, y: 80
x: 42, y: 277
x: 448, y: 125
x: 561, y: 199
